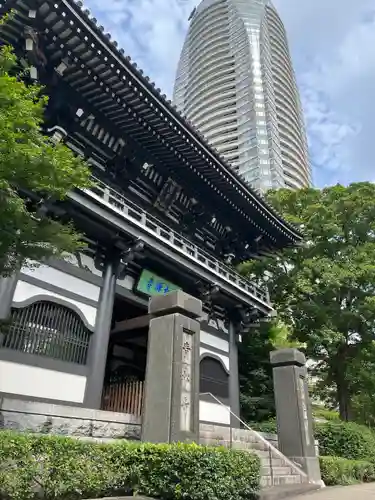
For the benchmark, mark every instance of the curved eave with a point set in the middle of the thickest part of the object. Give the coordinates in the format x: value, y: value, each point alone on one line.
x: 187, y: 126
x: 205, y: 161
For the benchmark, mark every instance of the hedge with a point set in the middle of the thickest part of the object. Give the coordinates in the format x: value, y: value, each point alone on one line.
x: 346, y: 440
x: 336, y: 438
x: 341, y: 471
x: 62, y: 468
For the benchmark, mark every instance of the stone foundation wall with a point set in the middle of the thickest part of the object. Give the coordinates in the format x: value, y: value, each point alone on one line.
x: 83, y: 423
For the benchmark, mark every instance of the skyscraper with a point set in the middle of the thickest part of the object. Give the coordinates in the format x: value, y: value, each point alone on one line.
x: 235, y: 82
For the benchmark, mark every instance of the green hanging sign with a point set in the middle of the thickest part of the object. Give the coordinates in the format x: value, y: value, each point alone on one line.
x: 151, y: 284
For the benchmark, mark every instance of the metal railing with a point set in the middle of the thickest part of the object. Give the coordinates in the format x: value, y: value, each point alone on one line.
x: 272, y: 450
x: 179, y: 243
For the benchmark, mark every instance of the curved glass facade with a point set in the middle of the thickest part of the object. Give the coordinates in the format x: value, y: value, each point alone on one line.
x: 235, y: 82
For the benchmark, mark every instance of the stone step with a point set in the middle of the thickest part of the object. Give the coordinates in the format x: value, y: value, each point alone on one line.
x: 236, y: 445
x: 251, y: 445
x: 268, y: 460
x: 207, y: 441
x: 275, y: 462
x: 276, y: 471
x: 268, y: 481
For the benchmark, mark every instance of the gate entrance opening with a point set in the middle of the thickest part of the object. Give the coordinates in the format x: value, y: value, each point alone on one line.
x: 126, y: 361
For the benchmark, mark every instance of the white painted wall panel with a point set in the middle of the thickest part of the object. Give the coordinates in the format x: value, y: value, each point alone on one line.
x: 65, y: 281
x: 225, y: 359
x: 212, y: 340
x: 38, y: 382
x: 25, y: 291
x: 213, y: 412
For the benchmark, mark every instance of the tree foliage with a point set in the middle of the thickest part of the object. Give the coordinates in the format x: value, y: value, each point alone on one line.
x: 256, y: 384
x: 31, y: 163
x: 362, y: 376
x: 324, y: 290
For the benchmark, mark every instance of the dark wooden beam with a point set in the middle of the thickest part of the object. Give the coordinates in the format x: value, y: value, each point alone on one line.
x: 132, y: 324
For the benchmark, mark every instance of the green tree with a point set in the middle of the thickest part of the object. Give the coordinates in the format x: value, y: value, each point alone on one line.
x: 324, y: 290
x: 362, y: 376
x: 31, y: 163
x: 256, y: 384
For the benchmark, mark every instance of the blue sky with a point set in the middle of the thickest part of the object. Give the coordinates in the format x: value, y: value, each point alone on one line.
x: 333, y: 49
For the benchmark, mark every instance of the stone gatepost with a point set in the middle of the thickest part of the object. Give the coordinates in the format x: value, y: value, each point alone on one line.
x: 171, y: 404
x: 293, y: 411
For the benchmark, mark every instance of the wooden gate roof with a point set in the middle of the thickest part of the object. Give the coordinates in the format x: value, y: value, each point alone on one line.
x: 103, y: 74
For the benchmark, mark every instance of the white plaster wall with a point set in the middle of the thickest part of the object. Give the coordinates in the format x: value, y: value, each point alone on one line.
x: 65, y: 281
x: 25, y: 291
x: 214, y: 341
x: 213, y: 412
x: 85, y: 262
x: 41, y: 383
x: 225, y: 359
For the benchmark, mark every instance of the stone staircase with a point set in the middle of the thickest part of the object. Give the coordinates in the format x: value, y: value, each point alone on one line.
x: 276, y: 469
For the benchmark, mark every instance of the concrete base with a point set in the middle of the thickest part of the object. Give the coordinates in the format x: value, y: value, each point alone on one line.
x: 311, y: 465
x: 287, y: 491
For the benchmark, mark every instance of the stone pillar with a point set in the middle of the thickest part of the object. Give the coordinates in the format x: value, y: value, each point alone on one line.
x: 293, y: 410
x: 7, y: 289
x: 98, y: 350
x: 171, y: 404
x: 234, y: 383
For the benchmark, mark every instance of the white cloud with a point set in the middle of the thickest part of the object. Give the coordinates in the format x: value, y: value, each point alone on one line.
x: 332, y: 47
x: 331, y: 44
x: 150, y: 31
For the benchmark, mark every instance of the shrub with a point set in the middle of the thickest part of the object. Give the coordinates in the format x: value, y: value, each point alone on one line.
x: 341, y: 471
x: 54, y: 467
x: 346, y: 440
x: 336, y: 438
x: 268, y: 426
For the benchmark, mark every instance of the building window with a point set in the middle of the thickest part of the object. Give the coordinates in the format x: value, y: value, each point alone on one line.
x: 47, y: 329
x: 214, y: 379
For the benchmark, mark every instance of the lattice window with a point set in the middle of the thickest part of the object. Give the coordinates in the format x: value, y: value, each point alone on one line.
x: 214, y: 379
x: 48, y: 329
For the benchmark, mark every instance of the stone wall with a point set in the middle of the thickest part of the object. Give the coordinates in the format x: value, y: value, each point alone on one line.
x: 83, y: 423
